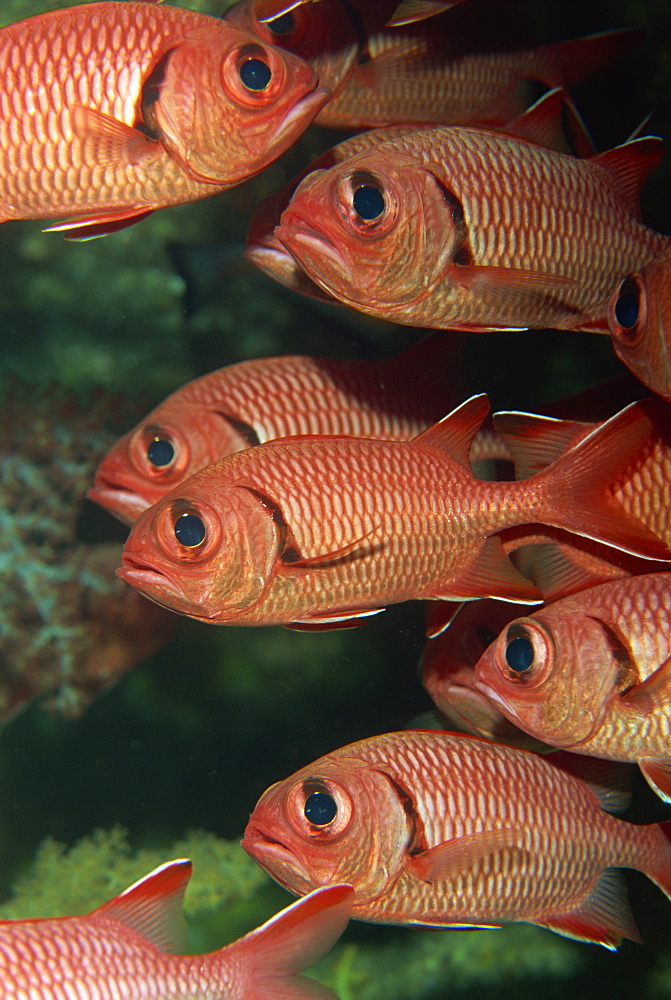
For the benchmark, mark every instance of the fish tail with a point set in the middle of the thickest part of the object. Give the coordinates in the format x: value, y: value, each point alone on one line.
x: 573, y: 61
x: 271, y: 956
x: 658, y: 867
x: 582, y: 483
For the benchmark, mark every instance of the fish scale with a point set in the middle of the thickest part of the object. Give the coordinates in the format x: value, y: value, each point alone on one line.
x: 508, y: 191
x: 534, y: 837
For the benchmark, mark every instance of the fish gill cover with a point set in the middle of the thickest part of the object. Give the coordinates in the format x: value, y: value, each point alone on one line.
x: 191, y: 738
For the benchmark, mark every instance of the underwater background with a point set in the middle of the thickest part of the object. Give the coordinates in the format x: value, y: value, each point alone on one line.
x: 107, y: 771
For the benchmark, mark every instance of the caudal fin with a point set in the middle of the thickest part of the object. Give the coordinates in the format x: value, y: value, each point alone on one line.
x: 294, y: 939
x: 582, y: 483
x: 660, y: 868
x: 570, y: 62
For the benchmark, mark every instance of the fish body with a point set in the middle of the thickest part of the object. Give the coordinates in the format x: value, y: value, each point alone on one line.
x: 465, y: 67
x: 591, y: 673
x: 639, y: 319
x: 468, y: 229
x: 255, y: 401
x: 314, y: 532
x: 442, y: 829
x: 123, y: 949
x: 111, y: 110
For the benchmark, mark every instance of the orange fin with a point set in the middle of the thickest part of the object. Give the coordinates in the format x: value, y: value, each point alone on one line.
x: 582, y: 481
x: 553, y: 122
x: 491, y: 574
x: 534, y: 442
x: 90, y: 227
x: 630, y: 165
x: 604, y: 918
x: 440, y: 615
x: 452, y: 858
x: 267, y: 10
x: 652, y: 692
x: 153, y: 906
x: 409, y: 11
x: 339, y: 619
x: 454, y: 433
x: 325, y: 559
x: 560, y: 568
x: 112, y: 141
x: 657, y: 772
x: 575, y: 59
x: 295, y: 938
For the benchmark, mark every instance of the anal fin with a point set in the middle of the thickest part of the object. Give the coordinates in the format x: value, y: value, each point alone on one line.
x: 657, y: 772
x: 491, y: 574
x: 603, y: 918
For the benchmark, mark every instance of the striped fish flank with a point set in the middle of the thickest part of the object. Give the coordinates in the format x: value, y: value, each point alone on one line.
x: 445, y: 830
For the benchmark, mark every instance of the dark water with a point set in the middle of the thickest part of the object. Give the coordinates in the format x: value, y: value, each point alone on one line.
x: 189, y: 739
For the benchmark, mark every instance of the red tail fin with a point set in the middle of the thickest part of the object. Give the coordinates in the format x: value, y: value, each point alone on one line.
x: 293, y: 939
x: 580, y: 497
x: 660, y: 870
x: 577, y: 59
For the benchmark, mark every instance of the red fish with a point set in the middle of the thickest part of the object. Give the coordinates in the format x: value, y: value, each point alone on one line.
x: 315, y: 532
x: 448, y: 664
x: 465, y: 67
x: 466, y: 229
x: 442, y: 830
x: 125, y: 949
x: 591, y: 673
x: 545, y: 122
x: 255, y: 401
x: 639, y: 318
x: 112, y: 110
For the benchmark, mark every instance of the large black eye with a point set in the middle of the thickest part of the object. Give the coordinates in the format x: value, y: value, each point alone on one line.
x: 368, y: 202
x: 189, y: 530
x: 627, y: 306
x: 255, y: 74
x: 320, y: 808
x: 283, y: 24
x: 519, y: 654
x: 160, y: 452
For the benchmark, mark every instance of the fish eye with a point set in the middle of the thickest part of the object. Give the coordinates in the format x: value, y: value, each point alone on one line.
x: 283, y: 24
x: 525, y: 652
x: 190, y: 530
x: 320, y: 808
x: 368, y: 202
x: 255, y: 74
x: 160, y: 452
x: 626, y: 317
x: 519, y: 654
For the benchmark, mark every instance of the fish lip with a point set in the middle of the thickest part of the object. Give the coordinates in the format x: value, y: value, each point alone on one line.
x: 494, y: 697
x: 140, y: 574
x: 120, y: 500
x: 307, y: 108
x: 311, y: 238
x: 257, y: 843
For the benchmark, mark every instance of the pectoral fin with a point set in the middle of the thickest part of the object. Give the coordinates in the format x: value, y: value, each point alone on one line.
x: 652, y: 693
x: 110, y: 141
x: 452, y: 858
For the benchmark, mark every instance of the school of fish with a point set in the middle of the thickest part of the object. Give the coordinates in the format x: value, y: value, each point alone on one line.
x: 313, y: 492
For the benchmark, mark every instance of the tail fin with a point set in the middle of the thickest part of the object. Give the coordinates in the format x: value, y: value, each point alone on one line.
x: 573, y: 61
x: 292, y: 940
x: 580, y: 498
x: 660, y: 869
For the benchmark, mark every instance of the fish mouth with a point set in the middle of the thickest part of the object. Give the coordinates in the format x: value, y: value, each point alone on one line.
x: 310, y: 241
x: 276, y: 857
x: 495, y: 698
x: 302, y: 113
x: 147, y: 578
x: 122, y: 501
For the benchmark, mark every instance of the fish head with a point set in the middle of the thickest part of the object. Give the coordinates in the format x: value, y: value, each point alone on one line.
x: 324, y: 36
x: 228, y: 105
x: 639, y: 318
x: 552, y: 674
x: 375, y: 231
x: 448, y: 672
x: 173, y: 443
x: 206, y: 551
x: 338, y: 820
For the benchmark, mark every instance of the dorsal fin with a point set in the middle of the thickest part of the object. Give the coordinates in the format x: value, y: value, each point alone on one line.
x: 454, y: 433
x: 153, y: 906
x: 543, y: 123
x: 630, y: 165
